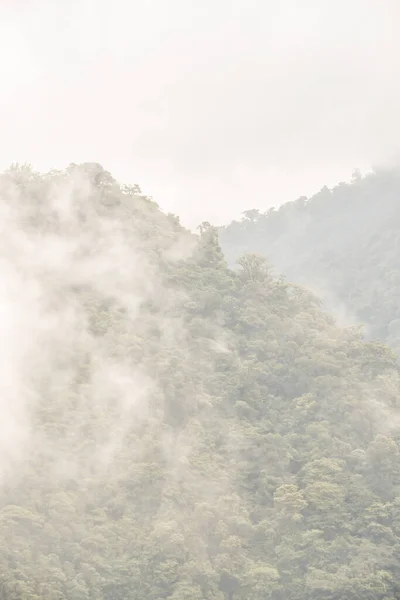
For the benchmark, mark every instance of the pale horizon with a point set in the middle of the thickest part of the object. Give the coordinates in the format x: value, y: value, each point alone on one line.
x: 211, y: 109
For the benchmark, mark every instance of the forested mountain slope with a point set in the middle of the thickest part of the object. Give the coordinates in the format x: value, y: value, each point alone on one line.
x: 343, y: 243
x: 176, y: 429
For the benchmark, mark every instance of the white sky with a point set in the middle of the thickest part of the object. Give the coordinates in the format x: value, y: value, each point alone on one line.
x: 212, y: 106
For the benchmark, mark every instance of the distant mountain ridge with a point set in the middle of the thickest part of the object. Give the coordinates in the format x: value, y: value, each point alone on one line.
x: 342, y: 243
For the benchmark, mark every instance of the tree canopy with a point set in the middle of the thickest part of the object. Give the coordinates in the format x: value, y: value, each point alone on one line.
x: 193, y: 431
x: 342, y: 243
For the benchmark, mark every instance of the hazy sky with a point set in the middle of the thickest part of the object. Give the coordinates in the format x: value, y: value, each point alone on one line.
x: 212, y: 106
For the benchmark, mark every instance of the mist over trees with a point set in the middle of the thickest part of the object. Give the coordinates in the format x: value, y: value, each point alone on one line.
x: 176, y: 428
x: 341, y: 243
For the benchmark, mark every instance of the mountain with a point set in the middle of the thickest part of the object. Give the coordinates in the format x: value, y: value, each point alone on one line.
x: 342, y: 243
x: 174, y: 428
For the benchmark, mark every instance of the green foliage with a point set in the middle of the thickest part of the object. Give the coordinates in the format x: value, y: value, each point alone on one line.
x: 263, y: 462
x: 343, y: 243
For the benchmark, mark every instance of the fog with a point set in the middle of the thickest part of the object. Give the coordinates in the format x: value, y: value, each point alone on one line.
x: 212, y: 107
x: 172, y: 427
x: 167, y: 424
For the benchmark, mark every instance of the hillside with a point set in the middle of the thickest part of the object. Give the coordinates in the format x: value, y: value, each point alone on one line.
x: 342, y: 243
x: 173, y: 428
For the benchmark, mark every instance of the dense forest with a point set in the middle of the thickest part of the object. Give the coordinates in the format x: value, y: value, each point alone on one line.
x: 342, y: 243
x: 177, y: 428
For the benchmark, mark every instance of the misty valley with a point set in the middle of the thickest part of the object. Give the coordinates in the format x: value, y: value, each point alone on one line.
x: 198, y: 416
